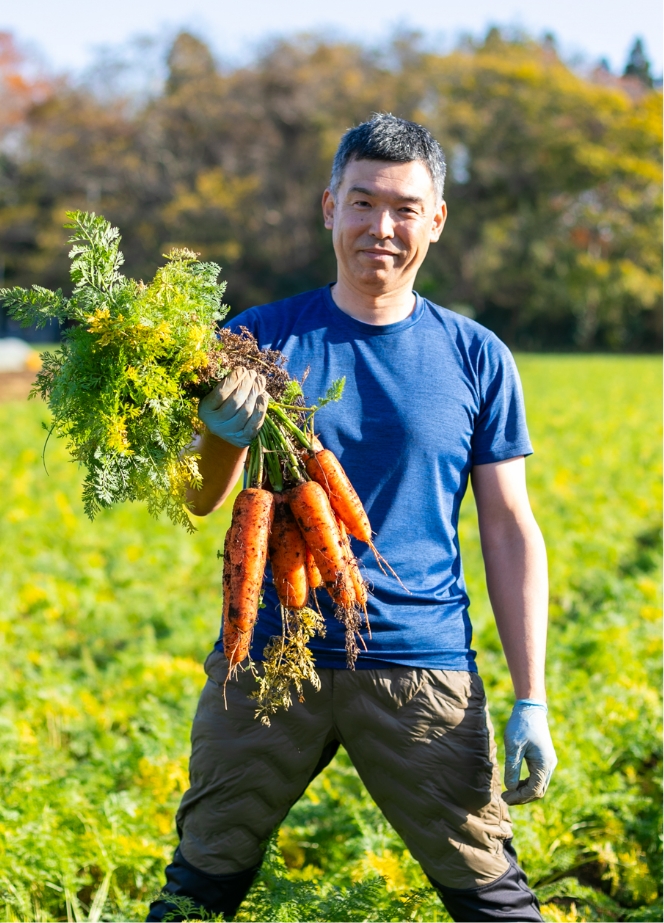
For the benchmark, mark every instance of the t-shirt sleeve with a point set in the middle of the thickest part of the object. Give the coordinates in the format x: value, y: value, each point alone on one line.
x: 500, y: 428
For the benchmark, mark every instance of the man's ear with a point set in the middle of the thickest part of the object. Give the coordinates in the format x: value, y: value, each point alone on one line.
x: 328, y: 209
x: 438, y: 222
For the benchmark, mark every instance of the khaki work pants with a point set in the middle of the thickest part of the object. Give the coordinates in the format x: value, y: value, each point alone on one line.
x: 421, y: 740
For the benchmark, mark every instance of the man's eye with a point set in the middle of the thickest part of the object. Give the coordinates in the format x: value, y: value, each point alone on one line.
x: 362, y: 202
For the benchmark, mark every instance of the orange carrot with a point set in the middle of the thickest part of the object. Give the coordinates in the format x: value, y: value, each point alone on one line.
x: 314, y: 578
x: 358, y: 583
x: 288, y: 555
x: 325, y: 468
x: 245, y: 553
x: 236, y: 643
x: 317, y: 523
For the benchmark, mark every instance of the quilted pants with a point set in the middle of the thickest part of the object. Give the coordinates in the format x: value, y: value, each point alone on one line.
x: 422, y: 742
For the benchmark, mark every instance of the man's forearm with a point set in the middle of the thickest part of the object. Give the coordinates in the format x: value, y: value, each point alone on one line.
x: 220, y: 465
x: 516, y: 576
x: 516, y: 573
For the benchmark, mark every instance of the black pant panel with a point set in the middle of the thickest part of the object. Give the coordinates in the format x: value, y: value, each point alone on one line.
x: 507, y: 898
x: 215, y: 893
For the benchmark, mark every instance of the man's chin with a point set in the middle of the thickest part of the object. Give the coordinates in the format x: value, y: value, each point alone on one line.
x: 380, y: 280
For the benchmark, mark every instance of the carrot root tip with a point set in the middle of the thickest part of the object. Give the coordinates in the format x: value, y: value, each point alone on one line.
x: 383, y: 564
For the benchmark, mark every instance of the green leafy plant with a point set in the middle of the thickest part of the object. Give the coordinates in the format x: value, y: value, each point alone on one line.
x: 186, y: 909
x: 120, y: 389
x: 105, y: 627
x: 135, y: 360
x: 277, y: 897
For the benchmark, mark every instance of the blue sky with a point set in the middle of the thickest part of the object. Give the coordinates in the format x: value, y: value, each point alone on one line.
x: 67, y: 32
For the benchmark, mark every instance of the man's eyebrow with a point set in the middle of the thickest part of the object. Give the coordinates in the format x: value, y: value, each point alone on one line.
x: 415, y: 200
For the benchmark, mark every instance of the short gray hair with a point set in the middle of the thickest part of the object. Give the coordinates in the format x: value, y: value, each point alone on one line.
x: 386, y: 137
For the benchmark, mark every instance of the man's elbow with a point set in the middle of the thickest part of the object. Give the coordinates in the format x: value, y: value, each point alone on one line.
x: 199, y: 505
x: 513, y: 529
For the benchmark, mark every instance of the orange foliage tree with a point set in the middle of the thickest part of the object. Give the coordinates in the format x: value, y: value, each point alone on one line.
x: 554, y: 236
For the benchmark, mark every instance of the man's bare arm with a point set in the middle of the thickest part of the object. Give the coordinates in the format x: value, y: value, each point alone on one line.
x: 233, y: 413
x: 516, y: 575
x: 220, y: 465
x: 516, y: 571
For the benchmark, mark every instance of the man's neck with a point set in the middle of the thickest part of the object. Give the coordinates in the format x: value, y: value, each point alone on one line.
x: 381, y: 309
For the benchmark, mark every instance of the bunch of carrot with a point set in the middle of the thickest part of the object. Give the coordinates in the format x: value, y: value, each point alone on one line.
x: 304, y: 531
x: 124, y: 389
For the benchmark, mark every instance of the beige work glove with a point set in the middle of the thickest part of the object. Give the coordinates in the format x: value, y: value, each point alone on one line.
x: 235, y: 408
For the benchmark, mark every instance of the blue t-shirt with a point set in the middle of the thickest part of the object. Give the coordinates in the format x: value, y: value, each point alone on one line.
x: 425, y: 399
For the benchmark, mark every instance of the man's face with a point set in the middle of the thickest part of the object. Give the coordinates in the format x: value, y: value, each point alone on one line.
x: 383, y: 219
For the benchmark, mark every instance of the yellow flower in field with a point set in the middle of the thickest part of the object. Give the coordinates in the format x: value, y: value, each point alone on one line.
x: 32, y: 596
x: 650, y: 589
x: 134, y: 553
x: 26, y: 735
x: 166, y: 668
x: 96, y: 560
x: 95, y: 709
x: 291, y: 849
x: 558, y: 914
x: 389, y: 866
x: 163, y: 777
x: 636, y: 873
x: 69, y: 517
x: 164, y: 822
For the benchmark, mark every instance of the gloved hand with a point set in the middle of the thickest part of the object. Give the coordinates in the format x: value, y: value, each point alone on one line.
x: 527, y: 737
x: 235, y: 408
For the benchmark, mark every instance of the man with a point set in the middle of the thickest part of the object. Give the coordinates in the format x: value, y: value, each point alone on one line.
x: 431, y: 398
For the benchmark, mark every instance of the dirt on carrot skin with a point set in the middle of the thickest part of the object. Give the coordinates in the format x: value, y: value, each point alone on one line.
x: 245, y: 554
x: 318, y: 525
x: 288, y: 556
x: 326, y: 469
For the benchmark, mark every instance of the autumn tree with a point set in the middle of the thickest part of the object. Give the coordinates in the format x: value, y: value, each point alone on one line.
x: 554, y: 236
x: 555, y: 223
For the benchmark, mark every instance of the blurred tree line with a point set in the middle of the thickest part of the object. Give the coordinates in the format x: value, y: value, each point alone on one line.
x: 554, y: 192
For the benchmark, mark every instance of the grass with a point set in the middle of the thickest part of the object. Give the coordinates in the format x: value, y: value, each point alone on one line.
x: 105, y: 625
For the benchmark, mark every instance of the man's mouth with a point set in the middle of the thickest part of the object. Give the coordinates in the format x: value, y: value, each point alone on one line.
x: 375, y: 251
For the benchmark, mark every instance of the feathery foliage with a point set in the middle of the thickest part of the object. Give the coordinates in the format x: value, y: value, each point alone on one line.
x: 105, y: 626
x: 124, y: 390
x: 135, y: 359
x: 120, y: 387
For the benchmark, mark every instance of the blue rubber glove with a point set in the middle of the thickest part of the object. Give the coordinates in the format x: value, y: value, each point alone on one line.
x: 527, y: 737
x: 235, y: 408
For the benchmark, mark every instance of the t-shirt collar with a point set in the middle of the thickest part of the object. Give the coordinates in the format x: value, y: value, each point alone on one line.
x: 341, y: 319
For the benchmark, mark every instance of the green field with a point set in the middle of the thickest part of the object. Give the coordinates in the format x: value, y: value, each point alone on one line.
x: 105, y: 625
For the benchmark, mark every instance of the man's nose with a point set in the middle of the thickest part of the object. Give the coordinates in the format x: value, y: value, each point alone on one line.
x: 382, y: 225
